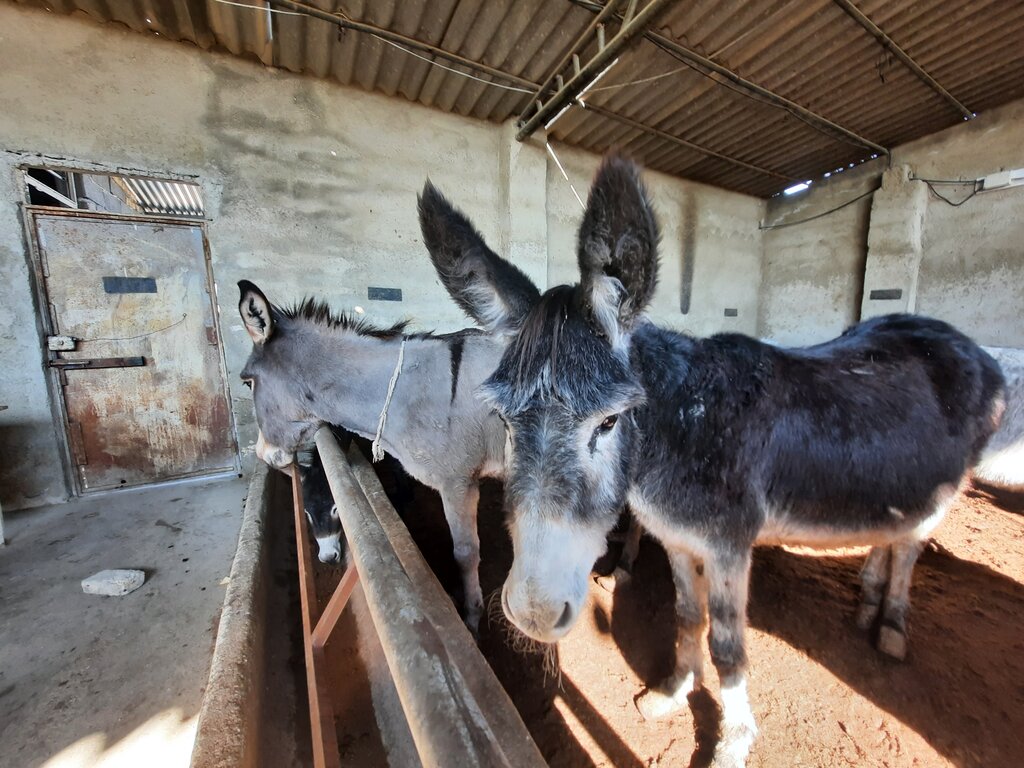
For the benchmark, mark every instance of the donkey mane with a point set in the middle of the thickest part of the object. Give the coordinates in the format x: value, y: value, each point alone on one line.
x: 317, y: 311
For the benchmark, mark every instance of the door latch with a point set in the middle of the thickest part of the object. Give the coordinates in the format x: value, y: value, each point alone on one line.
x: 98, y: 362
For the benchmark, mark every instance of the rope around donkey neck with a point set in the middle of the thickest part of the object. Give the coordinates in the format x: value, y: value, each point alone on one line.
x: 376, y: 452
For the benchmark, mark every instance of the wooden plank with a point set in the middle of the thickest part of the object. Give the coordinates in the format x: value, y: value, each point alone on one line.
x: 452, y: 718
x: 329, y: 618
x: 321, y: 713
x: 479, y: 678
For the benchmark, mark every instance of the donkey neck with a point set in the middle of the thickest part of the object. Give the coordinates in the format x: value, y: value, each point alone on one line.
x: 349, y: 377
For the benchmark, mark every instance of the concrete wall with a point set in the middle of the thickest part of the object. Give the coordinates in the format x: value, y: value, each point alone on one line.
x: 309, y: 187
x: 962, y: 264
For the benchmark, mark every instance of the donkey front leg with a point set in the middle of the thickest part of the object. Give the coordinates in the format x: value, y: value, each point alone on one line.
x: 624, y: 568
x: 728, y: 575
x: 691, y: 621
x: 460, y: 509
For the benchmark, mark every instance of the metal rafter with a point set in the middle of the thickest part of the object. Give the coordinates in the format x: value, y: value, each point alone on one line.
x: 889, y: 44
x: 634, y: 23
x: 780, y: 101
x: 665, y: 136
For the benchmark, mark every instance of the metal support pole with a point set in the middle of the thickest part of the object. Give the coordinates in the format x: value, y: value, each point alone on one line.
x: 889, y: 44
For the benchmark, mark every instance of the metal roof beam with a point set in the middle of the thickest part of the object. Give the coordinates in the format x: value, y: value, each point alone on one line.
x: 683, y: 142
x: 779, y: 101
x: 386, y: 34
x: 889, y: 44
x: 633, y: 24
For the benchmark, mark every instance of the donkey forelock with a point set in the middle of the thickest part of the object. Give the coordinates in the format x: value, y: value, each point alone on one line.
x: 558, y: 354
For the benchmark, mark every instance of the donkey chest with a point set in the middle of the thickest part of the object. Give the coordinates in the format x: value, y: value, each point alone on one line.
x: 667, y: 528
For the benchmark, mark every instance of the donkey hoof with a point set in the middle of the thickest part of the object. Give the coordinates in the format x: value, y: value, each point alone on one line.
x: 472, y: 622
x: 617, y: 578
x: 866, y: 615
x: 892, y: 642
x: 734, y: 747
x: 654, y: 704
x: 607, y: 583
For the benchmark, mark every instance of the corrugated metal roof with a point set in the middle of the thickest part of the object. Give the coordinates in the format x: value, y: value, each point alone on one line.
x: 811, y: 52
x: 165, y: 198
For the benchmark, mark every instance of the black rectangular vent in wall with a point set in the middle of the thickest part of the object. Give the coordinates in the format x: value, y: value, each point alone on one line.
x: 384, y: 294
x: 886, y: 294
x: 731, y: 312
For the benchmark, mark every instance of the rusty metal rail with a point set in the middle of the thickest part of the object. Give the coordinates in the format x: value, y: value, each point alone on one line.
x: 457, y: 711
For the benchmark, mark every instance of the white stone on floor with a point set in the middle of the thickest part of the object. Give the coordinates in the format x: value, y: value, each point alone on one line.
x: 113, y: 582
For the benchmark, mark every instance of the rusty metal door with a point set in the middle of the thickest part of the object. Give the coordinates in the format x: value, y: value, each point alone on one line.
x: 134, y: 348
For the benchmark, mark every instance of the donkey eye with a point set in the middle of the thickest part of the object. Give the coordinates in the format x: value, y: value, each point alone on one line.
x: 608, y: 424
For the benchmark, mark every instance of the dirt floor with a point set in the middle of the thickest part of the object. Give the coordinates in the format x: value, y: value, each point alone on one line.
x: 820, y: 692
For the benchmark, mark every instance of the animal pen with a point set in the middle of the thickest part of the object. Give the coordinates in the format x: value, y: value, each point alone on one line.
x: 738, y: 281
x: 457, y: 711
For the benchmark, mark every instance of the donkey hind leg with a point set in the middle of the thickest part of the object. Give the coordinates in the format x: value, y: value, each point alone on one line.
x: 624, y: 568
x: 892, y: 635
x: 874, y: 577
x: 691, y: 621
x: 728, y: 576
x: 460, y: 510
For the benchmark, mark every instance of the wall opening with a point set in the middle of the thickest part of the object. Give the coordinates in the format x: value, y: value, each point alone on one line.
x: 112, y: 193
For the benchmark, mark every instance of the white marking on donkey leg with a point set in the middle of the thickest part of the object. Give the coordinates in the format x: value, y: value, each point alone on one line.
x: 873, y: 577
x: 691, y: 621
x: 738, y: 727
x: 728, y: 576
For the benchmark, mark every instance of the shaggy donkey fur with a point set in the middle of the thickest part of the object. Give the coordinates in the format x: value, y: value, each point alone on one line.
x: 718, y: 444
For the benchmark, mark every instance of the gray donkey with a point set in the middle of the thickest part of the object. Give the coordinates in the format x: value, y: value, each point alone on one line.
x: 718, y: 444
x: 309, y: 367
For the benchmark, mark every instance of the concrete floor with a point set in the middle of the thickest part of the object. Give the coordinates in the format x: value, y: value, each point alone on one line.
x: 112, y: 681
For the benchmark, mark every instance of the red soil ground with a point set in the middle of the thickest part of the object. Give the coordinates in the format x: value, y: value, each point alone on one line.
x: 820, y: 692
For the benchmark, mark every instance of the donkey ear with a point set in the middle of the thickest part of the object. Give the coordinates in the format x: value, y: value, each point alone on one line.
x: 618, y: 247
x: 489, y: 289
x: 256, y: 312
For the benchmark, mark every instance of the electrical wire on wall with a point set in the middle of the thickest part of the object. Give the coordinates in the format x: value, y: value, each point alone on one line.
x: 764, y: 227
x: 930, y: 183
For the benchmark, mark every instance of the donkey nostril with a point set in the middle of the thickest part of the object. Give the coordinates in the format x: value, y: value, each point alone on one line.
x: 565, y: 618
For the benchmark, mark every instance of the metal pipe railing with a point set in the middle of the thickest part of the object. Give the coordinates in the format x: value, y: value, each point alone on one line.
x: 457, y: 710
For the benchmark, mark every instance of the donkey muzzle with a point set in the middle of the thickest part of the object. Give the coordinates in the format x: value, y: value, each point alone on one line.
x: 545, y: 621
x: 278, y: 458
